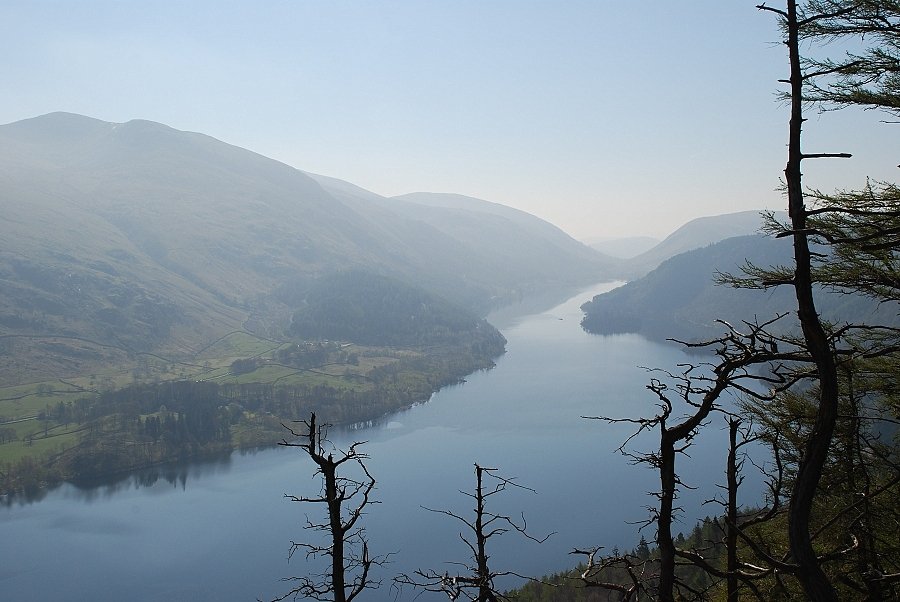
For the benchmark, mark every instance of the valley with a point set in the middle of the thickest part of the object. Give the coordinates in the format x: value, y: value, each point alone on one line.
x: 184, y: 297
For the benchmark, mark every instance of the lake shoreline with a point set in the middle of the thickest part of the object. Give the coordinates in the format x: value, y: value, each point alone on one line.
x: 222, y: 530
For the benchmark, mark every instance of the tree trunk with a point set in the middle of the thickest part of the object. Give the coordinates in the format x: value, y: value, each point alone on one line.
x: 814, y: 581
x: 731, y: 534
x: 664, y: 542
x: 329, y: 470
x: 485, y: 591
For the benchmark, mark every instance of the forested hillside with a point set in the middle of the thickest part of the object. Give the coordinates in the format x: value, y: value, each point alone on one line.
x: 374, y: 310
x: 682, y: 300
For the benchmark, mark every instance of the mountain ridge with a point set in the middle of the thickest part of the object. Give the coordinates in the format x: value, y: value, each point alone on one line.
x: 697, y: 233
x: 156, y: 240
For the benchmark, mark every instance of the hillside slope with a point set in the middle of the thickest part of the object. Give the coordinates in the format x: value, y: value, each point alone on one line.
x: 526, y: 253
x: 696, y: 234
x: 680, y: 300
x: 117, y: 239
x: 624, y: 248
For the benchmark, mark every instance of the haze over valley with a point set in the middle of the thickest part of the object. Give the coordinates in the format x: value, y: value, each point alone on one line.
x: 135, y: 254
x: 129, y: 239
x: 305, y: 300
x: 167, y: 296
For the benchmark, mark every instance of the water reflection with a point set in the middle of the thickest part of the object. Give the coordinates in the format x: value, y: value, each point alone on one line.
x: 220, y: 528
x: 29, y: 496
x: 174, y: 474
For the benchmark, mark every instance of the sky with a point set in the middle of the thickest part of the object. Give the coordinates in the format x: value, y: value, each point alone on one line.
x: 606, y: 118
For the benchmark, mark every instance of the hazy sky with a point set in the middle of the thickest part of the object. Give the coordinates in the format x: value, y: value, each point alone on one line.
x: 607, y: 118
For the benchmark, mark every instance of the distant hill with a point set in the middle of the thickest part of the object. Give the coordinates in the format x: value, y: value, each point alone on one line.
x: 623, y: 248
x: 124, y: 238
x: 695, y: 234
x: 442, y: 205
x: 520, y: 251
x: 680, y: 300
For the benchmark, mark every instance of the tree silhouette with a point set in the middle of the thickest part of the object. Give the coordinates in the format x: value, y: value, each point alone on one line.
x: 345, y: 498
x: 477, y: 582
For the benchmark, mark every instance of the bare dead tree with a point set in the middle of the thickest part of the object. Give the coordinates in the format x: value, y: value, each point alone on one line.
x: 698, y: 390
x: 817, y: 354
x: 759, y: 365
x: 734, y: 477
x: 477, y: 581
x: 737, y: 572
x: 345, y: 499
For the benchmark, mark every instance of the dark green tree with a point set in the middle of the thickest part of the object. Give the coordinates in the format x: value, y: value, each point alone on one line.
x: 859, y: 232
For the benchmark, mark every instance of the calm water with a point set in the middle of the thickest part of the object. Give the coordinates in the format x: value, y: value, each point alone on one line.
x: 221, y: 530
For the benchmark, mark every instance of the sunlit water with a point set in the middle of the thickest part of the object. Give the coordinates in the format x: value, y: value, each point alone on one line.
x: 221, y: 530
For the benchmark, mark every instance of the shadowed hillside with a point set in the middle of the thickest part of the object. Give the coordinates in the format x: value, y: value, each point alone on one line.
x: 680, y: 299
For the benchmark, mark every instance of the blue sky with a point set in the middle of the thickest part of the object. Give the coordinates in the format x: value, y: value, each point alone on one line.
x: 605, y: 118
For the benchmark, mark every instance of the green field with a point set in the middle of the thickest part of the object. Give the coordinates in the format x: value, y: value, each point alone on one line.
x: 29, y: 400
x: 56, y: 438
x: 238, y: 345
x: 21, y: 405
x: 234, y: 393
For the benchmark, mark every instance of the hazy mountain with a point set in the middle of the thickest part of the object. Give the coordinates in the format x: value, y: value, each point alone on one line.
x: 680, y: 300
x: 138, y: 237
x: 442, y: 206
x: 695, y: 234
x: 623, y: 248
x: 520, y: 248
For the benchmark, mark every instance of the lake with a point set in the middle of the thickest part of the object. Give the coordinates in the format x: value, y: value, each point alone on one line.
x: 222, y: 529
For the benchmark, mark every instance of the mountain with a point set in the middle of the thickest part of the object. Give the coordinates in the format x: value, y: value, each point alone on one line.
x: 450, y: 211
x: 525, y: 251
x: 124, y: 238
x: 624, y: 248
x: 695, y: 234
x: 680, y: 300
